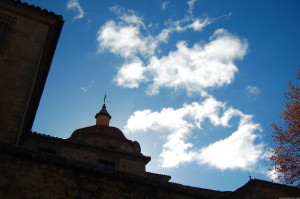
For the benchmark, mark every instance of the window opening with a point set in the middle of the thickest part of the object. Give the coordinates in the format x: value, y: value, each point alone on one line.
x: 6, y: 25
x: 107, y: 164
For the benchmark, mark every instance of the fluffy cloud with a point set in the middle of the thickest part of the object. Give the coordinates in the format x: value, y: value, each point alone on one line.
x: 74, y: 5
x: 128, y: 36
x: 124, y: 40
x: 131, y: 74
x: 236, y: 151
x: 193, y: 68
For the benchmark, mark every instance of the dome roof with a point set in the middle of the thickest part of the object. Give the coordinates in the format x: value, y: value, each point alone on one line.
x: 99, y: 130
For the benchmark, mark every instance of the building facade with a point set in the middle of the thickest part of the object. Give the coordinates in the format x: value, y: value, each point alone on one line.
x: 100, y: 145
x: 28, y: 38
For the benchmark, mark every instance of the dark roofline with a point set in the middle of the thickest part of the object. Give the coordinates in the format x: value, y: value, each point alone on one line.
x: 157, y: 174
x: 37, y: 8
x: 80, y: 166
x: 251, y: 181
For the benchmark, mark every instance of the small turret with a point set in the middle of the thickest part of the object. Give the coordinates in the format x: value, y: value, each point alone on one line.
x: 103, y: 116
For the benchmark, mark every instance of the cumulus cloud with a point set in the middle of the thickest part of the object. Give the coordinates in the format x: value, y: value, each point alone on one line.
x: 129, y: 37
x: 236, y: 151
x: 253, y: 90
x: 131, y: 74
x: 193, y: 68
x: 239, y: 150
x: 74, y: 5
x: 124, y: 40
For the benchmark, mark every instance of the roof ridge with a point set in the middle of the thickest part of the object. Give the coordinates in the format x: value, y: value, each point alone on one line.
x: 264, y: 181
x: 38, y: 8
x: 156, y: 173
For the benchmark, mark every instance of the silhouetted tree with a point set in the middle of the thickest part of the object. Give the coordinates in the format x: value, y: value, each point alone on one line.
x: 285, y: 156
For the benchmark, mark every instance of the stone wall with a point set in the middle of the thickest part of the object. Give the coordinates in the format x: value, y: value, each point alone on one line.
x: 18, y: 66
x: 24, y: 64
x: 27, y: 174
x: 131, y: 163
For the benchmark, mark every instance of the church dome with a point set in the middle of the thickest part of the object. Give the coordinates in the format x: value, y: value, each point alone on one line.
x: 103, y: 135
x: 97, y: 130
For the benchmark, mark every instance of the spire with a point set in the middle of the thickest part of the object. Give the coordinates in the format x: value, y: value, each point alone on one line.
x: 103, y: 116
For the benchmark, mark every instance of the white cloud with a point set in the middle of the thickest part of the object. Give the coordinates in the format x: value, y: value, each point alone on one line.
x: 253, y: 90
x: 124, y: 40
x: 127, y: 15
x: 163, y: 36
x: 199, y: 24
x: 193, y: 68
x: 86, y: 88
x: 130, y: 75
x: 272, y: 175
x: 164, y: 4
x: 236, y: 151
x: 129, y: 37
x: 74, y: 5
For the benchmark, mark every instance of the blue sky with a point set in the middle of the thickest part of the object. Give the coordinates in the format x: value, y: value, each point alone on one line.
x: 196, y: 83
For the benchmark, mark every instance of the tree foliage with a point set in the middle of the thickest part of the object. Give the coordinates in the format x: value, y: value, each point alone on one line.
x: 285, y: 155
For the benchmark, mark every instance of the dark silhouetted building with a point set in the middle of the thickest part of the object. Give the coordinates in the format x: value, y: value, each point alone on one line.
x: 94, y: 162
